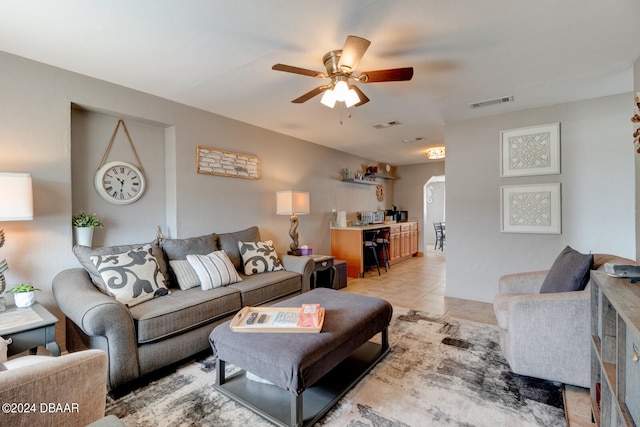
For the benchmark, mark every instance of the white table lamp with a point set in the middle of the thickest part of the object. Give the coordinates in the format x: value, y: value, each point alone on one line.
x: 294, y: 203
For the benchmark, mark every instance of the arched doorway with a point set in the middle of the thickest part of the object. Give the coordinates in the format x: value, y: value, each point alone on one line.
x: 434, y: 195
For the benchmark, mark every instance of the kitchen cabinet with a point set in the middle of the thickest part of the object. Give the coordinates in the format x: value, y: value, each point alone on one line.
x: 346, y: 244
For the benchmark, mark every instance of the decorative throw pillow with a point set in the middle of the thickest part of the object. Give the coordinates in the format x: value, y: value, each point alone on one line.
x: 131, y: 277
x: 569, y: 272
x: 84, y: 254
x: 258, y: 257
x: 214, y: 270
x: 228, y: 242
x: 185, y: 274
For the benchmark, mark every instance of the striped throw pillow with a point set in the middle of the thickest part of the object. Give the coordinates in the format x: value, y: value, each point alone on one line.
x: 214, y: 270
x: 185, y: 274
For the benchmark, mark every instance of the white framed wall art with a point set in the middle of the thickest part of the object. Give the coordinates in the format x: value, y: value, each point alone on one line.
x: 532, y: 150
x: 531, y: 209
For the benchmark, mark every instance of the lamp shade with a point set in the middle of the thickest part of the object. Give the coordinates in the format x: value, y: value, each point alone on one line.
x: 16, y: 197
x: 291, y: 202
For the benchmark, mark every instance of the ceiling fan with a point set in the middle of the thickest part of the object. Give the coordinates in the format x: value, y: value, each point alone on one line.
x: 340, y: 65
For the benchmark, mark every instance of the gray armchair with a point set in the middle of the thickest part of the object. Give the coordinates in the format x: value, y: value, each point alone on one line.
x: 546, y: 335
x: 77, y: 382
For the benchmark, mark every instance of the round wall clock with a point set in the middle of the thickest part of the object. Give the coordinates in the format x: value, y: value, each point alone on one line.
x: 119, y: 182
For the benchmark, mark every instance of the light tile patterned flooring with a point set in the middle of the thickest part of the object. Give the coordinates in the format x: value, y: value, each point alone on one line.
x: 419, y: 284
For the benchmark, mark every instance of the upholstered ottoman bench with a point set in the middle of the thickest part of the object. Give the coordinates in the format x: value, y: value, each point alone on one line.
x: 302, y: 375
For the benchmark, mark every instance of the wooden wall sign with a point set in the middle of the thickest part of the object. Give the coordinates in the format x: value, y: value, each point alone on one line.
x: 212, y: 161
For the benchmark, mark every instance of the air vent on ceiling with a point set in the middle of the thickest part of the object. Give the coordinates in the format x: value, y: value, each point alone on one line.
x: 491, y: 102
x: 386, y: 124
x: 416, y: 139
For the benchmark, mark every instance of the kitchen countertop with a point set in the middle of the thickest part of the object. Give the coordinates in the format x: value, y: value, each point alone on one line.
x: 370, y: 226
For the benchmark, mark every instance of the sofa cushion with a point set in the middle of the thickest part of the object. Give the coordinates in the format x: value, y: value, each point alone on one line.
x: 131, y: 277
x: 262, y: 288
x: 228, y: 242
x: 183, y: 310
x: 214, y: 270
x: 185, y: 275
x: 258, y: 257
x: 84, y: 254
x: 569, y: 272
x: 180, y: 248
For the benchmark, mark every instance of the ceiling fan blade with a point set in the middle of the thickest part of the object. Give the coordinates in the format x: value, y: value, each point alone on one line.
x: 352, y: 52
x: 307, y: 96
x: 361, y: 95
x: 392, y: 75
x: 298, y: 70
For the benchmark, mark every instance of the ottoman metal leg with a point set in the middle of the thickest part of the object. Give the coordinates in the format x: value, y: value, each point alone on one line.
x: 219, y: 371
x: 296, y: 410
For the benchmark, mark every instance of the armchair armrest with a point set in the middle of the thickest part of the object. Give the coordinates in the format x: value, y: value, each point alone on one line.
x: 72, y: 379
x: 302, y: 265
x: 522, y: 283
x: 99, y: 315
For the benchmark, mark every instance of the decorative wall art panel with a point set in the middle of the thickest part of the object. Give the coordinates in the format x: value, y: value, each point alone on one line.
x: 531, y: 208
x: 530, y: 151
x: 212, y: 161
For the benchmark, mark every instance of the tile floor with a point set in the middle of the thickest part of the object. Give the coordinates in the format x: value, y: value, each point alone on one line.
x: 419, y: 283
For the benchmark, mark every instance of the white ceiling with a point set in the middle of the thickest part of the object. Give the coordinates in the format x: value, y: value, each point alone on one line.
x: 217, y: 55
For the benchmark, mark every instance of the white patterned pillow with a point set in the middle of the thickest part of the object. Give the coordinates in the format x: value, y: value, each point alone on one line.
x: 131, y: 277
x: 258, y: 257
x: 214, y: 270
x: 185, y: 274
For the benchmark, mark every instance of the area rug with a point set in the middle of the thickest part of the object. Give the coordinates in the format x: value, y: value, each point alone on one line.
x: 441, y: 372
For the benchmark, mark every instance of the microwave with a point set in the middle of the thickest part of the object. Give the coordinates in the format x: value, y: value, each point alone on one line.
x: 372, y: 217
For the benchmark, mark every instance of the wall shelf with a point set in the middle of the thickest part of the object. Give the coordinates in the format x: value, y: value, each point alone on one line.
x: 360, y: 181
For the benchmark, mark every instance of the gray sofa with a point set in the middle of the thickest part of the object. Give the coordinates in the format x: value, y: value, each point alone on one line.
x: 156, y: 333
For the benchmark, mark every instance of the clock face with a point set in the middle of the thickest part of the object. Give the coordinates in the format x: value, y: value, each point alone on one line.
x: 119, y: 182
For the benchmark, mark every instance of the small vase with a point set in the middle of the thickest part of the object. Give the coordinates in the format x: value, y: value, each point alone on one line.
x: 24, y: 299
x: 84, y: 236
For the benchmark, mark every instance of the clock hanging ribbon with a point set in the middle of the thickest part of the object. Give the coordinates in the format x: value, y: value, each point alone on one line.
x: 113, y: 137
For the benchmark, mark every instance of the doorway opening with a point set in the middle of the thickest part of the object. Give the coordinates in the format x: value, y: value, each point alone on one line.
x: 434, y: 196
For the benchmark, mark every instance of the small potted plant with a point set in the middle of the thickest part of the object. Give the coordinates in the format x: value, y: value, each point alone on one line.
x: 23, y: 294
x: 84, y: 224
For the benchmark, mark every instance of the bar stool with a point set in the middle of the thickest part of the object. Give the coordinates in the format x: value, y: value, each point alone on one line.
x: 370, y: 249
x: 382, y: 241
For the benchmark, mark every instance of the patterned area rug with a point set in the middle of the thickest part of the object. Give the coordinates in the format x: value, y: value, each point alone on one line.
x: 442, y: 372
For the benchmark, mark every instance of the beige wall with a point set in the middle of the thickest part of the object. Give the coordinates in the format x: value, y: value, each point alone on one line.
x: 61, y: 147
x: 597, y: 179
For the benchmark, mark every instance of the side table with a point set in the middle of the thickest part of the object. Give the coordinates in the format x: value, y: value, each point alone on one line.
x: 29, y: 328
x: 323, y: 263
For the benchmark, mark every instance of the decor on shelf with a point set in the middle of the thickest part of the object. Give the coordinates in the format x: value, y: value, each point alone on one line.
x: 294, y: 203
x: 120, y: 182
x: 17, y: 195
x: 212, y: 161
x: 635, y: 119
x: 83, y: 225
x: 435, y: 153
x: 530, y: 151
x: 380, y: 192
x: 23, y: 294
x: 531, y: 208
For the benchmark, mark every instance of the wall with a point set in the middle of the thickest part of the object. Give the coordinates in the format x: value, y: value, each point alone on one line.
x: 409, y: 191
x: 38, y: 135
x: 597, y: 177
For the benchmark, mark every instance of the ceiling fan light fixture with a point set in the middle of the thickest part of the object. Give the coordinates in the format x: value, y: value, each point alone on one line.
x: 340, y: 90
x: 352, y: 98
x: 329, y: 98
